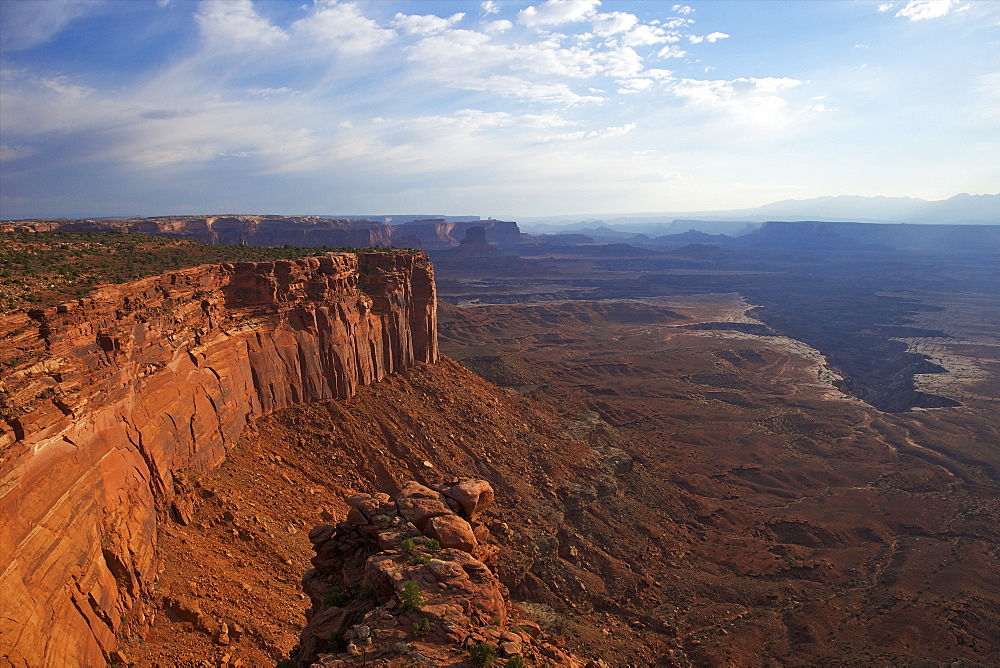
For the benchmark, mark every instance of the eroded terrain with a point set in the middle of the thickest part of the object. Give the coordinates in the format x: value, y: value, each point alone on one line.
x: 666, y: 494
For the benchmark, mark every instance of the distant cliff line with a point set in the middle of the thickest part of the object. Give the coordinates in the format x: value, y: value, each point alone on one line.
x: 301, y: 231
x: 117, y: 393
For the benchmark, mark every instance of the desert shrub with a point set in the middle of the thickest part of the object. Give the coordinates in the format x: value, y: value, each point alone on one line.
x: 413, y: 595
x: 420, y: 628
x: 335, y: 597
x: 420, y: 559
x: 432, y: 545
x: 482, y: 654
x: 408, y: 545
x: 515, y: 662
x: 336, y: 643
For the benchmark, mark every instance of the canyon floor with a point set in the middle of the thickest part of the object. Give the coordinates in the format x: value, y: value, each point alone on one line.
x: 676, y: 484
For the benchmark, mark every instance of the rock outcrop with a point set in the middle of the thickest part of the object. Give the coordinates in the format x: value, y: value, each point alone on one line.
x: 107, y: 401
x: 407, y: 581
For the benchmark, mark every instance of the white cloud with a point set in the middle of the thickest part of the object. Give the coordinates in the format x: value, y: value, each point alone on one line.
x: 645, y: 35
x: 620, y: 62
x: 30, y: 24
x: 235, y: 24
x: 886, y: 6
x: 682, y: 9
x: 471, y: 60
x: 591, y: 134
x: 751, y: 99
x: 426, y: 24
x: 711, y: 37
x: 475, y: 120
x: 918, y: 10
x: 497, y: 26
x: 628, y: 86
x: 344, y: 28
x: 554, y: 12
x: 63, y: 86
x: 272, y: 92
x: 516, y: 88
x: 672, y: 51
x: 490, y: 7
x: 613, y: 23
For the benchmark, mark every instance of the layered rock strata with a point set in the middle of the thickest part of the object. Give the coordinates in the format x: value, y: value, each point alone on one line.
x: 407, y: 581
x: 106, y: 402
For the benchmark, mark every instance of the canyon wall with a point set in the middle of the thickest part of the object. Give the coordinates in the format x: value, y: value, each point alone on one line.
x: 106, y: 402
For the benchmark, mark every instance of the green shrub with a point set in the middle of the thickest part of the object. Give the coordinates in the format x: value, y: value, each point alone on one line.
x: 335, y: 597
x: 336, y: 643
x: 420, y: 628
x: 408, y: 546
x: 482, y: 654
x: 516, y: 662
x: 413, y: 595
x: 420, y: 559
x: 432, y: 545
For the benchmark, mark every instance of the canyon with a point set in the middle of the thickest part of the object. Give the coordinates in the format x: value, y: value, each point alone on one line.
x: 709, y: 455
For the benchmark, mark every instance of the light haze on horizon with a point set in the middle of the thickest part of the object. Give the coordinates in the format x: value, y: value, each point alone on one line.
x: 496, y: 108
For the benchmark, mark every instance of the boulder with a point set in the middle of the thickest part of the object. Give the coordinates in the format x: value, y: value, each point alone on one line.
x: 418, y: 504
x: 452, y: 531
x: 472, y: 496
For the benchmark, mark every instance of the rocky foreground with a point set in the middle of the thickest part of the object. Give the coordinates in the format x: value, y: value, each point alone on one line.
x: 407, y: 580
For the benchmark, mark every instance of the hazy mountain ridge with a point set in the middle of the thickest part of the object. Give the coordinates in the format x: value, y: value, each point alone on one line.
x: 962, y: 209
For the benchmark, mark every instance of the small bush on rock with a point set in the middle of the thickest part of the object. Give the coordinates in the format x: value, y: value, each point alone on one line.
x: 420, y: 628
x: 413, y: 595
x: 482, y: 654
x: 408, y: 546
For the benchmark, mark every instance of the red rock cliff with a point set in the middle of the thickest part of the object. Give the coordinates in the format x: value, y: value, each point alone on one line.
x: 124, y: 390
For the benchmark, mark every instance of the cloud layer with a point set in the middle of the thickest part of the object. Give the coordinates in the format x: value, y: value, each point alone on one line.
x: 337, y: 106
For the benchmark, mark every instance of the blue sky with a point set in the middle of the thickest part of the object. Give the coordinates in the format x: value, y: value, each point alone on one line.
x: 505, y: 109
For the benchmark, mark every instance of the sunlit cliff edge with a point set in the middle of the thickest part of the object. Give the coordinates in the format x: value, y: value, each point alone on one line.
x: 108, y: 400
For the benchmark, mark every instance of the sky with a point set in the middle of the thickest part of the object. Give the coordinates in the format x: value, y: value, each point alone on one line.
x: 497, y: 108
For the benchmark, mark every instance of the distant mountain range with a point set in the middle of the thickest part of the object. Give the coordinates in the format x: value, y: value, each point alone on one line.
x: 961, y: 209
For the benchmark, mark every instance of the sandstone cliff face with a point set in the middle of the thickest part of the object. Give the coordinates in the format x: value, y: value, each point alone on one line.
x: 106, y: 401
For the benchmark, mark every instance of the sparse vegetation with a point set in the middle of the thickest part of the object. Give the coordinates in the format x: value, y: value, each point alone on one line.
x: 335, y: 597
x: 515, y: 662
x: 408, y: 546
x: 423, y: 627
x: 420, y: 559
x: 38, y: 269
x: 432, y: 545
x: 482, y: 654
x: 336, y: 643
x: 412, y: 595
